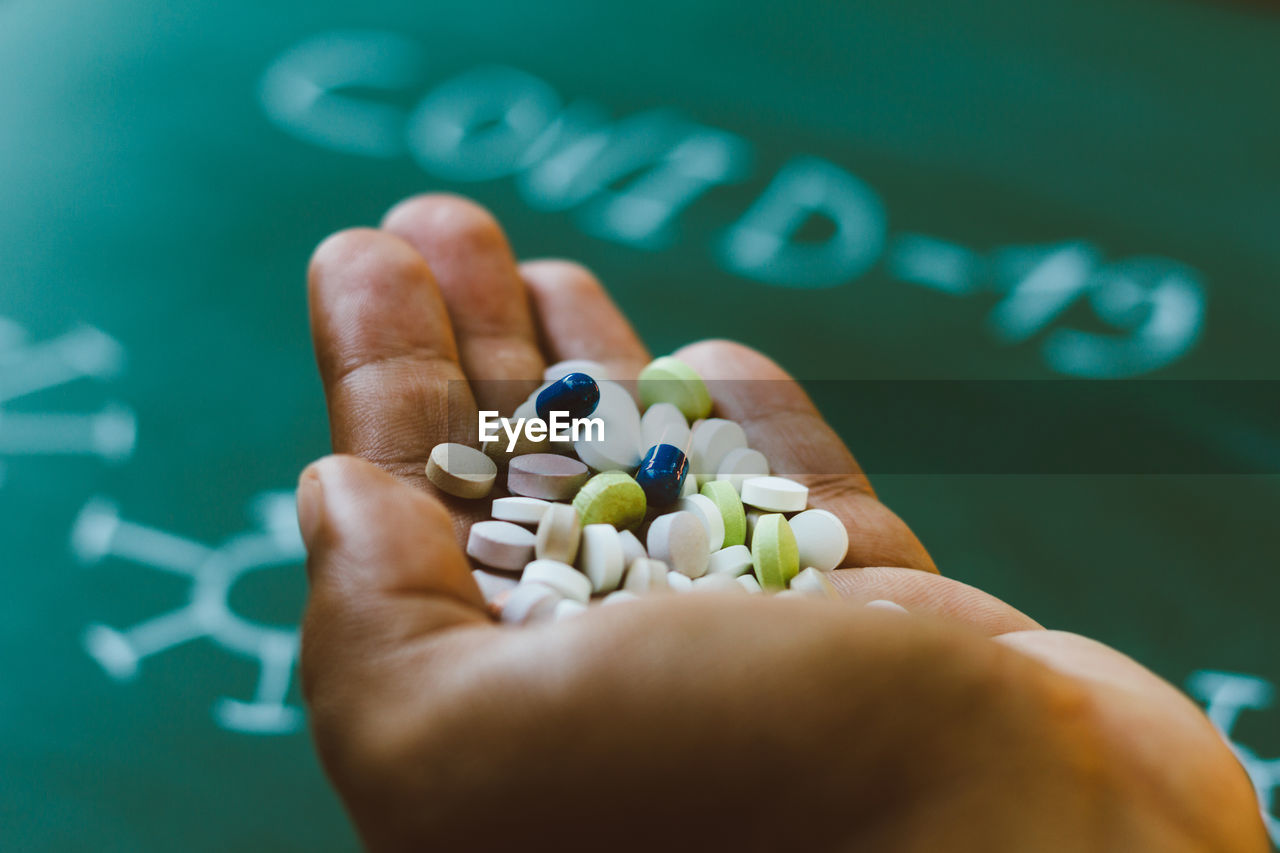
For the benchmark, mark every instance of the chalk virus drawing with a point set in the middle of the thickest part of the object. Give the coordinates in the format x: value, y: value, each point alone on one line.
x: 100, y: 533
x: 27, y: 368
x: 634, y: 179
x: 1225, y: 695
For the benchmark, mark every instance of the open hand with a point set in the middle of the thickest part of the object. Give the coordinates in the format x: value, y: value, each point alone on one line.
x: 702, y: 721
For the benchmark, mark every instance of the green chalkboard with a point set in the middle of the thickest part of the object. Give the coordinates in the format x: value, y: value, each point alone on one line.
x: 888, y: 190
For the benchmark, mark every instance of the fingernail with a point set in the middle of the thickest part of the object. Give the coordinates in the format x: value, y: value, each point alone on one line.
x: 310, y: 506
x: 886, y: 604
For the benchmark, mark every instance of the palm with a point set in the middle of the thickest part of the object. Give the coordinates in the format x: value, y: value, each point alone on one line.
x: 417, y: 325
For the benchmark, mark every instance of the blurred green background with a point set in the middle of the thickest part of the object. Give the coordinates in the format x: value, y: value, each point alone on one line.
x: 875, y: 190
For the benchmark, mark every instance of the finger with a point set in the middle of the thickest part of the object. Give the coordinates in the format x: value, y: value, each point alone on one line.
x: 384, y: 571
x: 387, y: 357
x: 488, y: 304
x: 579, y: 320
x: 920, y: 592
x: 782, y: 423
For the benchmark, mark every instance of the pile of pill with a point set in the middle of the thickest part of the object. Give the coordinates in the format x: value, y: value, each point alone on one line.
x: 668, y: 499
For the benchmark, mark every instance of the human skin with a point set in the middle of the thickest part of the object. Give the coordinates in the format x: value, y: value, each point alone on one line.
x: 702, y: 722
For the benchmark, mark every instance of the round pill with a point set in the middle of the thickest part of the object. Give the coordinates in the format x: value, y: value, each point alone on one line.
x: 815, y: 583
x: 618, y: 449
x: 690, y: 486
x: 663, y: 423
x: 529, y: 603
x: 646, y: 576
x: 594, y: 369
x: 632, y: 549
x: 821, y: 538
x: 742, y: 463
x: 461, y: 471
x: 679, y: 539
x: 775, y: 494
x: 561, y: 577
x: 677, y: 582
x: 575, y: 394
x: 717, y: 583
x: 709, y: 442
x: 707, y: 512
x: 886, y: 604
x: 749, y: 583
x: 611, y: 497
x: 617, y: 406
x: 670, y: 380
x: 619, y: 596
x: 558, y: 534
x: 662, y: 474
x: 500, y: 544
x: 728, y: 503
x: 548, y: 476
x: 600, y: 557
x: 567, y: 608
x: 519, y: 510
x: 773, y: 552
x: 733, y: 561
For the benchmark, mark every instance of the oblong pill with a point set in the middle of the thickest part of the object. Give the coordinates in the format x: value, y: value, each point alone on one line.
x: 500, y: 544
x: 821, y: 538
x: 632, y: 549
x: 775, y: 494
x: 662, y: 423
x: 561, y: 577
x: 461, y: 471
x: 600, y: 557
x: 718, y: 583
x: 679, y: 539
x: 733, y: 561
x: 558, y: 534
x: 567, y: 608
x: 575, y: 394
x: 773, y: 552
x: 677, y: 582
x: 493, y: 586
x: 709, y: 442
x: 815, y: 583
x: 709, y: 514
x: 617, y: 450
x: 726, y: 500
x: 594, y: 369
x: 519, y: 510
x: 646, y: 576
x: 662, y: 474
x: 619, y: 597
x: 741, y: 464
x: 617, y: 407
x: 611, y: 497
x: 749, y: 583
x: 529, y: 603
x: 548, y: 476
x: 670, y: 380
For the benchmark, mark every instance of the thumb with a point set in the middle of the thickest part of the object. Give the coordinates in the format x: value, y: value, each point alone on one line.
x: 384, y: 568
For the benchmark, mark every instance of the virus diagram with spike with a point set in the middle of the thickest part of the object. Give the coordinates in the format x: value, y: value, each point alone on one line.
x: 101, y: 534
x: 1225, y: 696
x: 27, y: 368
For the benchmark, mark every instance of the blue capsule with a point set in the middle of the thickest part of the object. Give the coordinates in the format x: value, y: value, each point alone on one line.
x: 662, y: 473
x: 576, y: 394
